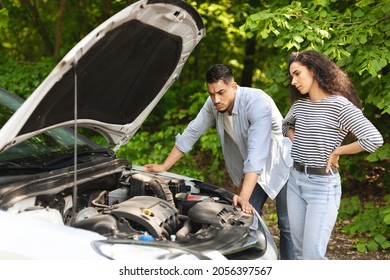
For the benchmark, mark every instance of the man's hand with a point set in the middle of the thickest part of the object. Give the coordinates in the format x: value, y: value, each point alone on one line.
x: 173, y: 157
x: 247, y: 186
x: 154, y: 167
x: 246, y: 207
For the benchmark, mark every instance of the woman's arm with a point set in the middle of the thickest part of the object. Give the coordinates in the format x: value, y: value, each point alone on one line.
x: 349, y: 149
x: 290, y: 134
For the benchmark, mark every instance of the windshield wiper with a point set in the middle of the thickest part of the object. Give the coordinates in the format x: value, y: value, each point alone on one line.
x: 68, y: 157
x: 9, y: 164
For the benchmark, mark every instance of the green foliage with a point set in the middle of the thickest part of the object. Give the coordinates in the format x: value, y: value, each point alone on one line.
x: 381, y: 154
x: 371, y: 223
x: 23, y: 78
x: 50, y: 28
x: 349, y: 207
x: 3, y: 18
x: 357, y: 36
x: 220, y: 19
x: 354, y: 33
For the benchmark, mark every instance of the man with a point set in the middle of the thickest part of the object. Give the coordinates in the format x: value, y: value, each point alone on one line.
x: 249, y: 128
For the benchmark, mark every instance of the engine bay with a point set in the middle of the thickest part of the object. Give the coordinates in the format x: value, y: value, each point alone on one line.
x: 150, y: 207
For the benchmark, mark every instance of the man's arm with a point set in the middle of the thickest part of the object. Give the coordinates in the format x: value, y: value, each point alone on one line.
x: 184, y: 142
x: 259, y: 114
x: 172, y: 158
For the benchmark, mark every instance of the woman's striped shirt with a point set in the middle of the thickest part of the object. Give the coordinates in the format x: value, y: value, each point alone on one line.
x: 321, y: 126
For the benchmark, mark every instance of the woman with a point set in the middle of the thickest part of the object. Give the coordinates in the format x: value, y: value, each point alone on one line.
x: 325, y: 109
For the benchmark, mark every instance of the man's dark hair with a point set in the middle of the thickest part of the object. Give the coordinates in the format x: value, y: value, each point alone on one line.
x: 218, y: 72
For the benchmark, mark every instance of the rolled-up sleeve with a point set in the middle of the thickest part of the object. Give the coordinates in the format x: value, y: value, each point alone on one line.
x: 195, y: 129
x: 352, y: 119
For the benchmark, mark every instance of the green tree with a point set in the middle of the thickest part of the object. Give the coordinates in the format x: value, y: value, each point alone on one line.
x: 253, y: 36
x: 353, y: 33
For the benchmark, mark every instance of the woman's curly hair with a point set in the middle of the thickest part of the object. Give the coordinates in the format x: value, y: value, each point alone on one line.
x: 329, y: 76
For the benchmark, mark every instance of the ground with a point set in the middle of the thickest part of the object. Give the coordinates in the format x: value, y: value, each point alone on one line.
x: 340, y: 246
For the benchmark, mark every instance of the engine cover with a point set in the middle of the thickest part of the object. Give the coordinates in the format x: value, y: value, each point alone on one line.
x: 137, y: 215
x: 157, y: 216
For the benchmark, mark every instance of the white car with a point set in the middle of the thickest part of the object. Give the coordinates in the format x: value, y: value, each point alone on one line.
x: 63, y: 196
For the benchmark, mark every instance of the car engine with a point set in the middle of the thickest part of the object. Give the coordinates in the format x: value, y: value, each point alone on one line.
x: 145, y: 206
x: 137, y: 206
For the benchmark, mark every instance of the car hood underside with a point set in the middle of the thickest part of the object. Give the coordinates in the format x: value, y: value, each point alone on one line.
x: 112, y: 79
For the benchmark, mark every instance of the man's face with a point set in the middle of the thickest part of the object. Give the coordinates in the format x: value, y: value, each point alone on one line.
x: 223, y: 95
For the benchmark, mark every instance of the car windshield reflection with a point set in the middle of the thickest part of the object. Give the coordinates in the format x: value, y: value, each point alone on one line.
x: 40, y: 149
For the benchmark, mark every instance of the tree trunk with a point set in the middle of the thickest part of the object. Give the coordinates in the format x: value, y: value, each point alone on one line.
x: 249, y: 62
x: 58, y: 38
x: 35, y: 18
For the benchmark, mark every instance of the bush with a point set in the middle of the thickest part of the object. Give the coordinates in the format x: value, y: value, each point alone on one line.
x: 370, y: 223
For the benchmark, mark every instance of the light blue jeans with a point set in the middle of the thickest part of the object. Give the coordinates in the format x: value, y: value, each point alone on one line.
x: 313, y: 202
x: 257, y: 199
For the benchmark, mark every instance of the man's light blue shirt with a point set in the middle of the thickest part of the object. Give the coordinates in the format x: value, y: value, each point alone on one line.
x: 260, y: 146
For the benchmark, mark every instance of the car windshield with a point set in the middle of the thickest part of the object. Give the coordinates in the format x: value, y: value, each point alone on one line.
x: 41, y: 149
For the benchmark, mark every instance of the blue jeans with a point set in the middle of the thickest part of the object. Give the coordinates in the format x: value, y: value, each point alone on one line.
x: 258, y: 198
x: 313, y: 202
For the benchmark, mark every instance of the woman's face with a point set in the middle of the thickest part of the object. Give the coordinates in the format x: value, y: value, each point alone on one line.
x: 301, y: 77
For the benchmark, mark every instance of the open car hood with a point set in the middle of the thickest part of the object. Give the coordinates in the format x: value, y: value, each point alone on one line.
x: 116, y: 74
